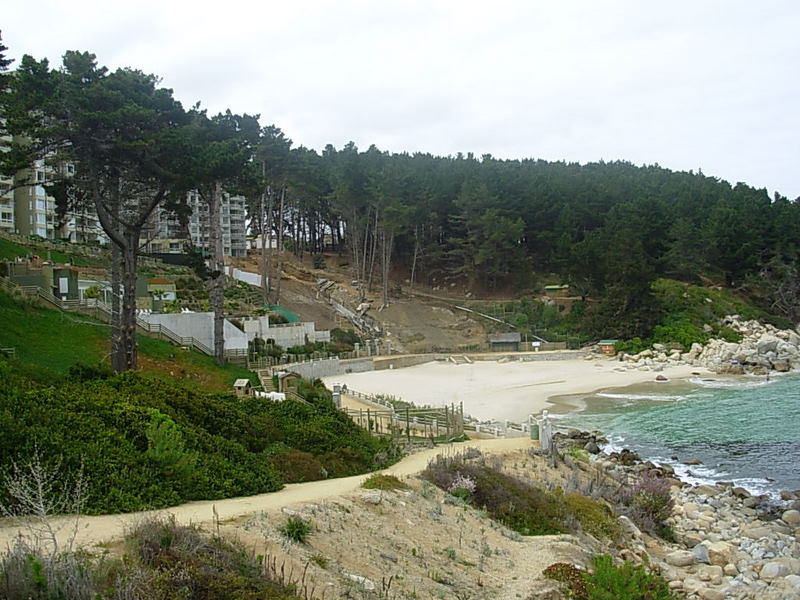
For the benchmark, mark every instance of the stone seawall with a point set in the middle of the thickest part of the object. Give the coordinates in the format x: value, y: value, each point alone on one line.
x: 333, y: 366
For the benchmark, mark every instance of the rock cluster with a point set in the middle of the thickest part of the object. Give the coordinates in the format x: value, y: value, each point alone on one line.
x: 728, y: 550
x: 729, y: 544
x: 763, y: 347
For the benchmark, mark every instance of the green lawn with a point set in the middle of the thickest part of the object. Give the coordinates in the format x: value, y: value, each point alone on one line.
x: 53, y: 341
x: 11, y: 250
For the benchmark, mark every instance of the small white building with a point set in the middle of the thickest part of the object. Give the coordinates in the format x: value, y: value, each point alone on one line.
x: 284, y: 334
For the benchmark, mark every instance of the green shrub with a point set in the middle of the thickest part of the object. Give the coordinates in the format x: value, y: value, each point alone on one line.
x: 83, y: 372
x: 649, y: 501
x: 631, y: 346
x: 151, y: 442
x: 607, y: 582
x: 627, y: 582
x: 296, y: 466
x: 526, y: 509
x: 296, y: 529
x: 570, y: 576
x: 594, y: 516
x: 318, y: 260
x: 380, y: 481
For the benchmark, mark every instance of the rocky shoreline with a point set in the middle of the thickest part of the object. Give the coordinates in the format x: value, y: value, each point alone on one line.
x: 763, y: 348
x: 728, y: 543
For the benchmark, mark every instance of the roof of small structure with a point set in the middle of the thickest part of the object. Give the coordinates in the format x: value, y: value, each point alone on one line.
x: 159, y: 281
x: 607, y: 342
x: 240, y: 383
x: 504, y: 338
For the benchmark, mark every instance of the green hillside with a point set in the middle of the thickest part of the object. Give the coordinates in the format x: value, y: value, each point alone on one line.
x: 52, y: 341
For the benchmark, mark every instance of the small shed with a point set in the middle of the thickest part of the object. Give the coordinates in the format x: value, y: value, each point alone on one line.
x: 556, y: 291
x: 243, y: 387
x: 607, y: 346
x: 509, y: 342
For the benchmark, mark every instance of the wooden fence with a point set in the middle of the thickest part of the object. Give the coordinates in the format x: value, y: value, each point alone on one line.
x: 404, y: 421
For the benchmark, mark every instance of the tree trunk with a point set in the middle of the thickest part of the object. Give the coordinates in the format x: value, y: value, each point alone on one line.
x: 263, y: 226
x: 216, y: 294
x: 128, y: 315
x: 374, y: 251
x: 270, y: 210
x: 117, y: 354
x: 414, y: 258
x: 387, y: 241
x: 280, y: 247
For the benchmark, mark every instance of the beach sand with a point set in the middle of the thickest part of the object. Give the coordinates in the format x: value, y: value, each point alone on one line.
x: 503, y: 391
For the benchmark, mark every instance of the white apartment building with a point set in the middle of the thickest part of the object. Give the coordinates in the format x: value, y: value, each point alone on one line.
x: 34, y: 209
x: 165, y: 234
x: 27, y: 209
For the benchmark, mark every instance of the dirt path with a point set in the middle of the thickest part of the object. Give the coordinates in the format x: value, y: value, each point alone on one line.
x: 108, y: 528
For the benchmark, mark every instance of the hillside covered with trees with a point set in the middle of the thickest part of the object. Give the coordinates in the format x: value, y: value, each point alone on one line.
x: 478, y: 225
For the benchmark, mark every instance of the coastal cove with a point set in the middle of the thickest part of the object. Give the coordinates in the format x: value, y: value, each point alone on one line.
x: 737, y: 428
x: 740, y: 429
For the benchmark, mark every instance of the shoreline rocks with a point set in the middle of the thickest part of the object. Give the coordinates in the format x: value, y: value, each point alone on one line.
x: 728, y: 543
x: 763, y: 348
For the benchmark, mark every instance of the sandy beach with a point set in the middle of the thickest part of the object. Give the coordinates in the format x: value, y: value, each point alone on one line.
x: 503, y: 391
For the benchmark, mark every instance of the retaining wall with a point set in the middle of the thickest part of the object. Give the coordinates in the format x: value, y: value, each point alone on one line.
x: 327, y: 367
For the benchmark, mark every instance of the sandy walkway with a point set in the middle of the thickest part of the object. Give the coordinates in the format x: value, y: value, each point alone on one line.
x: 107, y: 528
x: 500, y: 391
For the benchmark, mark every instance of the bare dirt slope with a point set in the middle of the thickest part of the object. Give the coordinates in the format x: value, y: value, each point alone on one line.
x: 416, y: 543
x: 364, y: 544
x: 411, y: 323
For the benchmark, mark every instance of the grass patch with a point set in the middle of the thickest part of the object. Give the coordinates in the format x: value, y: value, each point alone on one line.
x: 608, y: 582
x: 53, y: 341
x: 595, y: 517
x: 379, y: 481
x: 296, y: 529
x: 50, y: 339
x: 66, y: 255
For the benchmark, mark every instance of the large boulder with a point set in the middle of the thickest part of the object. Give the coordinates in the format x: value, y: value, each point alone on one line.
x: 768, y: 343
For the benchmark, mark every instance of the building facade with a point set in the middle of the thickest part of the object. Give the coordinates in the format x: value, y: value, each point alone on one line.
x: 164, y: 233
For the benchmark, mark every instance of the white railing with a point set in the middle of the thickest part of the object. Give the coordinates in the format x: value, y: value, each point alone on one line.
x: 100, y: 306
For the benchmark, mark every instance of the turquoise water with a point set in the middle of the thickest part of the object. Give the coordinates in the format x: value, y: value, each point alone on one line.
x: 745, y: 430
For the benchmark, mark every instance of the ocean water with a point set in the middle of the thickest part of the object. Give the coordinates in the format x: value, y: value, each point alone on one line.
x: 745, y: 430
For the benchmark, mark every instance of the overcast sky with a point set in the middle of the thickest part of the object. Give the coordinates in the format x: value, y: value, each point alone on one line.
x: 710, y: 85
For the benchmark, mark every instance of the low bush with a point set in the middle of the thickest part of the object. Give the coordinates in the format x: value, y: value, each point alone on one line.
x: 526, y: 509
x: 648, y: 502
x: 162, y: 560
x: 595, y: 517
x: 296, y: 529
x: 570, y: 576
x: 150, y: 442
x: 296, y: 466
x: 627, y: 582
x: 607, y: 582
x: 380, y: 481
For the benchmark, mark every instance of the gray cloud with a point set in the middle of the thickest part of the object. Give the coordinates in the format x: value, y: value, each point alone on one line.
x: 688, y: 85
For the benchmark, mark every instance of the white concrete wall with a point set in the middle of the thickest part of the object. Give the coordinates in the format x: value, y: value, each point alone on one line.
x: 286, y: 334
x: 245, y: 276
x: 200, y: 326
